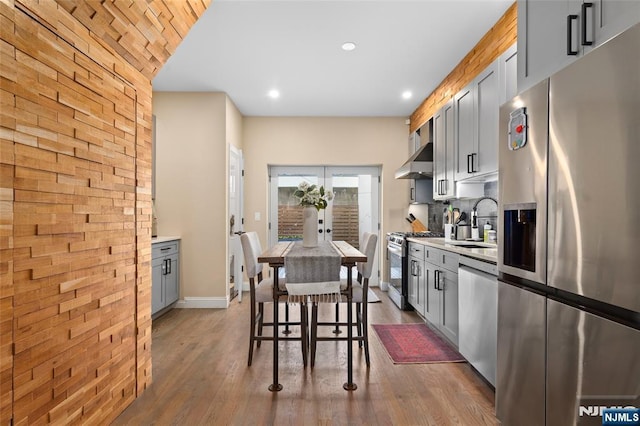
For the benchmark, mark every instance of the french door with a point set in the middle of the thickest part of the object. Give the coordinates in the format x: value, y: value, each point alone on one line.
x: 354, y: 209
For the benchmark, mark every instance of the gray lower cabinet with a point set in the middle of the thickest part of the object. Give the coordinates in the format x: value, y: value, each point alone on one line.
x: 165, y: 275
x: 416, y: 277
x: 436, y: 287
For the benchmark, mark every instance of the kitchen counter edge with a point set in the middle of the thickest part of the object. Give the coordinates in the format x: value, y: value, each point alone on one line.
x: 156, y: 240
x: 485, y: 254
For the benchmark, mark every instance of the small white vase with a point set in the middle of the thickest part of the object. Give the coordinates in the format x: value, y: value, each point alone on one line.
x: 310, y: 227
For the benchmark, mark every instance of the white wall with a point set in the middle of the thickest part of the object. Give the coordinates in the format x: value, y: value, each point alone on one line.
x: 191, y: 186
x: 325, y: 141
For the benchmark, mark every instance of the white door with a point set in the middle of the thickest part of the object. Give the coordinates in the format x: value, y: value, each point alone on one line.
x: 236, y: 258
x: 353, y: 211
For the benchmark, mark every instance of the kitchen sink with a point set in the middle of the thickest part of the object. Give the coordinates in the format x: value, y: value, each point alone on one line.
x: 472, y: 244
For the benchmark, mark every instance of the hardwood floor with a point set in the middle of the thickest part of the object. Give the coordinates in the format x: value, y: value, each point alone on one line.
x: 200, y: 376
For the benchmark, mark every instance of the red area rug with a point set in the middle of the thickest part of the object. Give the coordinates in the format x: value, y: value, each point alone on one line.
x: 415, y: 344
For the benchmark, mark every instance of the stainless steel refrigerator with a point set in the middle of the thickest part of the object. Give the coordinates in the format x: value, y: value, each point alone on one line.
x: 569, y: 251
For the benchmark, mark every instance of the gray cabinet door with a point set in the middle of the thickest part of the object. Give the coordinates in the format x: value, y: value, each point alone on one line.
x: 157, y: 291
x: 464, y: 132
x: 165, y: 276
x: 443, y: 139
x: 413, y: 283
x: 545, y: 34
x: 432, y: 295
x: 613, y: 17
x: 542, y: 40
x: 171, y: 280
x: 508, y: 87
x: 486, y: 121
x: 421, y: 290
x: 449, y: 304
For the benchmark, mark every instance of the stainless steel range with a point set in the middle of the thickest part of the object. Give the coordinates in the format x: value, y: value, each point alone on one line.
x: 398, y: 265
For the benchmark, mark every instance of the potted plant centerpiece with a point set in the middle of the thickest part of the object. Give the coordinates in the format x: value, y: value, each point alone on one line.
x: 312, y: 198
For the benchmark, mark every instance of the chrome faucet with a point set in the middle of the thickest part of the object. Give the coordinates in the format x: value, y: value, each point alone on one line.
x: 474, y: 212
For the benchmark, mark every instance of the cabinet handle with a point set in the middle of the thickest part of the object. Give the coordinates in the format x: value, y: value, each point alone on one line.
x: 469, y: 163
x: 435, y: 280
x: 168, y: 266
x: 165, y: 249
x: 585, y: 6
x: 412, y: 194
x: 570, y: 19
x: 473, y: 162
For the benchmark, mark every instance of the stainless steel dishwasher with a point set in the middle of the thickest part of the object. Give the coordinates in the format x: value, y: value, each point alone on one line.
x: 478, y: 314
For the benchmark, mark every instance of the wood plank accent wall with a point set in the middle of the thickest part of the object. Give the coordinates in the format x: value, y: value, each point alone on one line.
x: 498, y: 39
x: 75, y: 202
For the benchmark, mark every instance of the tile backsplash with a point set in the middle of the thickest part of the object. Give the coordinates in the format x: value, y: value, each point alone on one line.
x: 487, y: 209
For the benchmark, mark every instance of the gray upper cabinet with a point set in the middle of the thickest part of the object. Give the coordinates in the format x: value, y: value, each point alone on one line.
x: 613, y: 17
x: 444, y: 147
x: 486, y: 109
x: 477, y: 125
x: 508, y: 64
x: 552, y: 34
x: 464, y: 133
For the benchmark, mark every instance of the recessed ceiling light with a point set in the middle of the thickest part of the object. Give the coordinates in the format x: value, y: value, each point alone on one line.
x: 274, y: 94
x: 348, y: 46
x: 406, y: 94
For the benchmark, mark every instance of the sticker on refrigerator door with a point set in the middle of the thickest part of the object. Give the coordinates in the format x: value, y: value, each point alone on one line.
x: 517, y: 128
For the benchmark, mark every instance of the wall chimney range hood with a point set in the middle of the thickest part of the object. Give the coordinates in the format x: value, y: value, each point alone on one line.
x: 419, y: 165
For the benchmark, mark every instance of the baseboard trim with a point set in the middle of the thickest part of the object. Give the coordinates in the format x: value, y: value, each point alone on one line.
x: 202, y: 303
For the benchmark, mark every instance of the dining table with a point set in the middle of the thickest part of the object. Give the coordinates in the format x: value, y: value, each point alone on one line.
x: 275, y: 257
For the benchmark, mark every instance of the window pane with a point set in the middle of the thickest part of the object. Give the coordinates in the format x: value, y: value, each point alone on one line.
x: 345, y: 209
x: 290, y: 216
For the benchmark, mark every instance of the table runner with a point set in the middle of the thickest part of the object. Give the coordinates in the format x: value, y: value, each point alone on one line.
x: 313, y: 272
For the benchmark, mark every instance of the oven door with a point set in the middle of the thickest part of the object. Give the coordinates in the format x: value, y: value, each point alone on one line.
x: 397, y: 270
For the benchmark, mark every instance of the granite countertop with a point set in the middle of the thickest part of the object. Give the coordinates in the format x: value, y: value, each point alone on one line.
x: 486, y: 254
x: 162, y: 239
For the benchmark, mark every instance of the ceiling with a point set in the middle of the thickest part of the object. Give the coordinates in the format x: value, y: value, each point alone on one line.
x: 247, y: 48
